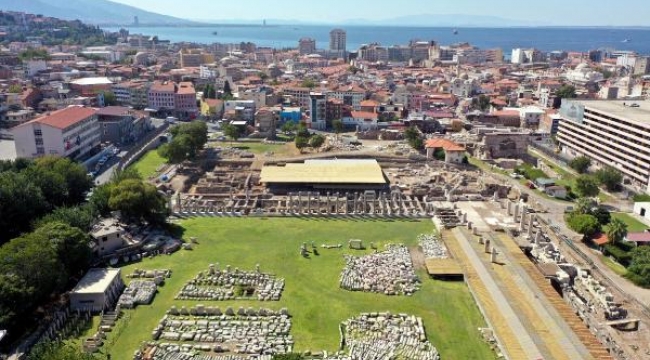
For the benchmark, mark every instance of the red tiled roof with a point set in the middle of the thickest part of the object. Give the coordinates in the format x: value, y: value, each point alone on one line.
x: 364, y: 115
x: 600, y: 239
x: 65, y: 118
x: 113, y: 111
x: 445, y: 144
x: 369, y: 103
x: 509, y: 113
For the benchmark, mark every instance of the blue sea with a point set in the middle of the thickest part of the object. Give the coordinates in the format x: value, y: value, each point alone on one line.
x: 283, y: 36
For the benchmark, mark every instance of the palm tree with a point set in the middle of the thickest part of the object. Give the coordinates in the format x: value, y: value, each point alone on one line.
x: 616, y: 231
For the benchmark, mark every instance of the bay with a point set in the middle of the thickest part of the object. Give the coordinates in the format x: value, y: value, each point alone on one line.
x: 284, y: 36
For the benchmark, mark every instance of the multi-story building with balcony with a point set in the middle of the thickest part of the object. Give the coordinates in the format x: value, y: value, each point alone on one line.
x: 132, y: 93
x: 610, y: 133
x: 72, y: 132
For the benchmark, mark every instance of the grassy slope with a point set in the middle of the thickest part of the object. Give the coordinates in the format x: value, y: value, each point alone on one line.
x: 148, y: 164
x: 312, y: 294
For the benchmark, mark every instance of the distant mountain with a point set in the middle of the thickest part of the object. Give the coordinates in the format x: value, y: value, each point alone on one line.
x: 99, y: 12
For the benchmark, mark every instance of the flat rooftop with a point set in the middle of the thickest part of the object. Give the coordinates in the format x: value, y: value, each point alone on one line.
x: 616, y: 108
x: 325, y: 172
x: 96, y: 280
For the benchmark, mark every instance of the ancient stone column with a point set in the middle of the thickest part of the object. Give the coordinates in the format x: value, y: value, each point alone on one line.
x: 509, y: 207
x: 516, y: 214
x: 299, y: 202
x: 487, y: 246
x: 493, y: 258
x: 530, y: 225
x: 538, y: 237
x: 522, y: 221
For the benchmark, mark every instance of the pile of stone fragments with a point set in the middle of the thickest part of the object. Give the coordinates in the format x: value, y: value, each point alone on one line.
x: 220, y: 285
x: 432, y: 247
x: 386, y: 336
x: 389, y: 272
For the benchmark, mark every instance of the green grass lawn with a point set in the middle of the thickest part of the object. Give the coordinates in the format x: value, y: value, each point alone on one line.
x: 633, y: 225
x: 612, y: 264
x: 148, y: 164
x: 312, y: 292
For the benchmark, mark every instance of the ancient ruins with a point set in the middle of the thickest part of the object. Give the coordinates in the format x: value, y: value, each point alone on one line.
x: 208, y: 329
x: 389, y: 272
x: 228, y: 284
x: 432, y: 247
x: 385, y: 336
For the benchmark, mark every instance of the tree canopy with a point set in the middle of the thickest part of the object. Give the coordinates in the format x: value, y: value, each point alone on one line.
x: 584, y: 224
x: 61, y: 351
x: 30, y: 189
x: 138, y: 201
x: 616, y: 231
x: 580, y: 164
x: 187, y: 140
x: 586, y: 186
x: 609, y: 177
x: 317, y: 141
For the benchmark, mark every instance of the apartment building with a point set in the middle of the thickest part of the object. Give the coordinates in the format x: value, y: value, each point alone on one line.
x: 72, y: 132
x: 177, y: 98
x: 611, y: 133
x: 306, y: 46
x: 132, y: 93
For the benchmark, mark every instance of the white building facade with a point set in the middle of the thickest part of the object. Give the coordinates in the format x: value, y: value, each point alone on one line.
x: 71, y: 132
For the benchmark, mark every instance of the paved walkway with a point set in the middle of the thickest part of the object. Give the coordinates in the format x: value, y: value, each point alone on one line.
x: 525, y: 348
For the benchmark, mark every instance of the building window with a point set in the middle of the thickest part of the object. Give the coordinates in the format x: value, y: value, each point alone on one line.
x: 38, y: 132
x: 40, y: 150
x: 39, y: 141
x: 104, y: 239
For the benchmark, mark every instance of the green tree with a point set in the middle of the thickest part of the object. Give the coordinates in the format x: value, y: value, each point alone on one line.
x: 586, y: 186
x: 301, y: 142
x: 316, y: 141
x: 232, y: 131
x: 209, y: 92
x: 584, y: 205
x: 482, y: 102
x: 69, y: 243
x: 99, y: 199
x: 639, y: 269
x: 33, y: 261
x: 566, y: 92
x: 413, y: 137
x: 109, y: 98
x: 288, y: 126
x: 580, y: 164
x: 338, y: 127
x: 603, y: 215
x: 616, y: 231
x: 177, y: 150
x: 439, y: 154
x: 138, y: 201
x: 308, y: 83
x: 227, y: 91
x: 584, y: 224
x: 21, y: 201
x: 15, y: 89
x: 61, y: 351
x: 610, y: 178
x: 80, y: 216
x: 76, y: 177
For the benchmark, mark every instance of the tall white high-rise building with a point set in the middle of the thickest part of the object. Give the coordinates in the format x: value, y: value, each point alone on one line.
x: 338, y: 40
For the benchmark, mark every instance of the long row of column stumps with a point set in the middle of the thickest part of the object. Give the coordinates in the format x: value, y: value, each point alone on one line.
x: 368, y: 203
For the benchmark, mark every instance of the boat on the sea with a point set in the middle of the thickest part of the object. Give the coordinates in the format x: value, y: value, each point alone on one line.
x: 455, y: 31
x: 626, y: 41
x: 215, y: 33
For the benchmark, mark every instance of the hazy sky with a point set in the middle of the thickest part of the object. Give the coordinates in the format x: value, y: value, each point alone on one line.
x: 564, y: 12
